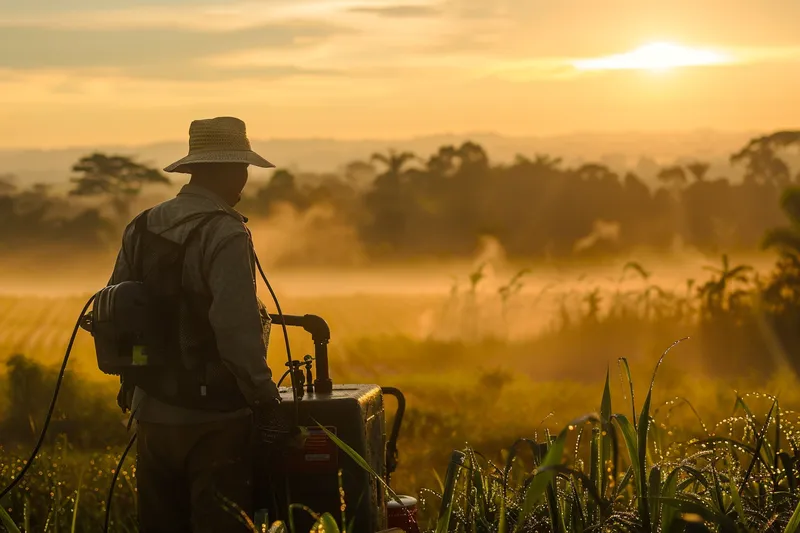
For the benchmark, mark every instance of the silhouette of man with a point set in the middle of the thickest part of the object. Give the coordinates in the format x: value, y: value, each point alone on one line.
x: 194, y: 465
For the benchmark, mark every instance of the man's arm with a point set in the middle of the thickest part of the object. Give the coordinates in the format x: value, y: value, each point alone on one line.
x: 122, y: 266
x: 122, y: 272
x: 236, y: 319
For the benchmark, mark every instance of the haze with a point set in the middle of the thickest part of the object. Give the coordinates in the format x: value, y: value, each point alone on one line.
x: 91, y: 71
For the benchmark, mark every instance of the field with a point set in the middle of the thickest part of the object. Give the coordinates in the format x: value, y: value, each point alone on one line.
x: 486, y: 353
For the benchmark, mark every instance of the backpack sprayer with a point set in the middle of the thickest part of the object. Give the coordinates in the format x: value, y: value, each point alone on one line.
x: 311, y: 475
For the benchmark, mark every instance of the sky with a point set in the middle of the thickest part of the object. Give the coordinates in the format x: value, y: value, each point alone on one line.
x: 84, y: 72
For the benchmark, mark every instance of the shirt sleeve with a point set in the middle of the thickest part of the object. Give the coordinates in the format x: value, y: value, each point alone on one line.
x: 236, y: 318
x: 122, y: 266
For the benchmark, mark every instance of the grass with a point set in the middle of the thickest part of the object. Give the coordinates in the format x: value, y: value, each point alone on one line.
x: 697, y: 448
x: 625, y: 471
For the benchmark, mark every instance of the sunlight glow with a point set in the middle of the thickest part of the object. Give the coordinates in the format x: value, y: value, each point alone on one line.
x: 655, y: 56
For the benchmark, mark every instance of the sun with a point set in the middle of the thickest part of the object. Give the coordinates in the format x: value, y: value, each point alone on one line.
x: 659, y: 56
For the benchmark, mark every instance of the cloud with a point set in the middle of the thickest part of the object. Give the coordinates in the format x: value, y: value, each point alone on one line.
x: 205, y: 16
x: 49, y: 6
x: 398, y: 11
x: 148, y: 50
x: 195, y: 73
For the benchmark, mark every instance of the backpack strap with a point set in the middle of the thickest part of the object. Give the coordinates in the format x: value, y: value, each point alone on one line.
x: 206, y: 219
x: 140, y: 226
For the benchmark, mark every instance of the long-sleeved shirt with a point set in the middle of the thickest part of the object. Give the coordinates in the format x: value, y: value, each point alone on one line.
x: 220, y: 255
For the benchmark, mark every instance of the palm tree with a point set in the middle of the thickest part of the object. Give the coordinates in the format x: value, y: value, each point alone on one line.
x: 698, y: 169
x: 786, y: 240
x: 394, y: 163
x: 715, y: 290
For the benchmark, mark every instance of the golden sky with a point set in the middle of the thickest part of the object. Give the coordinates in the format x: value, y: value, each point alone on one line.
x: 83, y: 72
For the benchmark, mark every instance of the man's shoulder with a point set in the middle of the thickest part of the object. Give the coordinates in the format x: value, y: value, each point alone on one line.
x: 224, y: 225
x: 174, y: 219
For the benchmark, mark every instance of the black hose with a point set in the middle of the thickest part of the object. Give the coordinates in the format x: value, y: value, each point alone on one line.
x: 114, y: 482
x: 283, y: 377
x: 28, y: 464
x: 391, y: 444
x: 285, y: 334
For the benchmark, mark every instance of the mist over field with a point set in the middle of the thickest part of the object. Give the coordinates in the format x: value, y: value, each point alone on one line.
x: 497, y: 296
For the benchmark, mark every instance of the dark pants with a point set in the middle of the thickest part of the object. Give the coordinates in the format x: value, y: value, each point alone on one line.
x: 195, y: 478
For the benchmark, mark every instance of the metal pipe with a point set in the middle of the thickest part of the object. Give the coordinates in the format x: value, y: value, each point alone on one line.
x: 321, y: 335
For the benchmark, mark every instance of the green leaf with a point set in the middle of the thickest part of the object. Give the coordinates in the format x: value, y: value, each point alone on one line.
x: 688, y: 506
x: 654, y: 491
x: 77, y: 502
x: 605, y: 451
x: 328, y: 524
x: 9, y: 524
x: 794, y: 522
x: 277, y: 527
x: 668, y: 490
x: 502, y: 526
x: 624, y: 363
x: 737, y: 500
x: 631, y: 443
x: 360, y: 461
x: 457, y: 459
x: 543, y: 478
x: 760, y: 441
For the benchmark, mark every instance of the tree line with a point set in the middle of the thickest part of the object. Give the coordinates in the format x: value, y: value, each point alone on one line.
x: 402, y: 205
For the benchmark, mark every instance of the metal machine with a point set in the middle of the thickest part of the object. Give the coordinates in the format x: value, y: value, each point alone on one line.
x: 356, y: 414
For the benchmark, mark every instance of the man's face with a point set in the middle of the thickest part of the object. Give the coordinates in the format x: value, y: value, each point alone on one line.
x: 238, y: 179
x: 225, y: 179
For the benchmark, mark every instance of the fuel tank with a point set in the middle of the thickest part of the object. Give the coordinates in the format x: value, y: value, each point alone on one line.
x: 311, y: 476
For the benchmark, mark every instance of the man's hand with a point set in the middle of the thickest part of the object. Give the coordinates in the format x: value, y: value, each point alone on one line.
x: 273, y: 428
x: 125, y: 396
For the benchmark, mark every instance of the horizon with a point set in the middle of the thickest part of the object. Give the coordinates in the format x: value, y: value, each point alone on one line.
x: 465, y: 135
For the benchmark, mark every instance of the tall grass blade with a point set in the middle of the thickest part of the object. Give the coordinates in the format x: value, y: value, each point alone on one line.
x: 72, y: 528
x: 759, y: 443
x: 654, y: 492
x: 302, y: 507
x: 457, y: 459
x: 606, y: 451
x: 360, y: 461
x: 556, y: 523
x: 543, y: 477
x: 736, y: 499
x: 794, y: 522
x: 596, y: 471
x: 502, y: 526
x: 667, y: 513
x: 277, y: 527
x: 777, y: 448
x: 642, y: 442
x: 623, y: 362
x: 326, y: 524
x: 7, y: 522
x: 788, y: 468
x: 726, y: 525
x: 631, y: 442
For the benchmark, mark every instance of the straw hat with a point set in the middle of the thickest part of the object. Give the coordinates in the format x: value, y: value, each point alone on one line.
x: 218, y: 140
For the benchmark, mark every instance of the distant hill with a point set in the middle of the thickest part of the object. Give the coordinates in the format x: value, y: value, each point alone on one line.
x: 640, y: 152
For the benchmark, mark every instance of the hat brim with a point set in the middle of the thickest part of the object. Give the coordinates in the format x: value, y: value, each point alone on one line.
x: 230, y: 156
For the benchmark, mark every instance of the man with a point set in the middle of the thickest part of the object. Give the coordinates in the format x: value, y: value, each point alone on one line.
x: 194, y: 461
